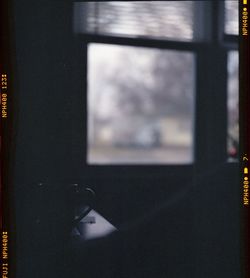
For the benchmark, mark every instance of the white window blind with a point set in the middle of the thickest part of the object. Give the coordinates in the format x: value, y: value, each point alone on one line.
x: 157, y: 19
x: 232, y: 17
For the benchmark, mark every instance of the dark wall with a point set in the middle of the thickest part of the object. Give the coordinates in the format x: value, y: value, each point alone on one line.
x: 43, y: 90
x: 49, y: 94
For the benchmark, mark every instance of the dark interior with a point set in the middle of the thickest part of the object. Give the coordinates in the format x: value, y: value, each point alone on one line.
x: 196, y: 217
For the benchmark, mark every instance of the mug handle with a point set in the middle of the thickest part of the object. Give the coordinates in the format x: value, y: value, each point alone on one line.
x: 89, y: 206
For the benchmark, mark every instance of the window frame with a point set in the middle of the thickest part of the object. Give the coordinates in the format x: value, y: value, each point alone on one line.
x: 210, y: 121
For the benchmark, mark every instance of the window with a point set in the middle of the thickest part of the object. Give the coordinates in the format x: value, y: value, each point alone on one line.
x: 151, y: 91
x: 138, y: 110
x: 231, y: 17
x: 233, y: 105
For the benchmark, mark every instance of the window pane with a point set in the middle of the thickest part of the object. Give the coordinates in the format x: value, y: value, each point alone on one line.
x: 140, y: 105
x: 231, y: 17
x: 162, y: 19
x: 233, y: 104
